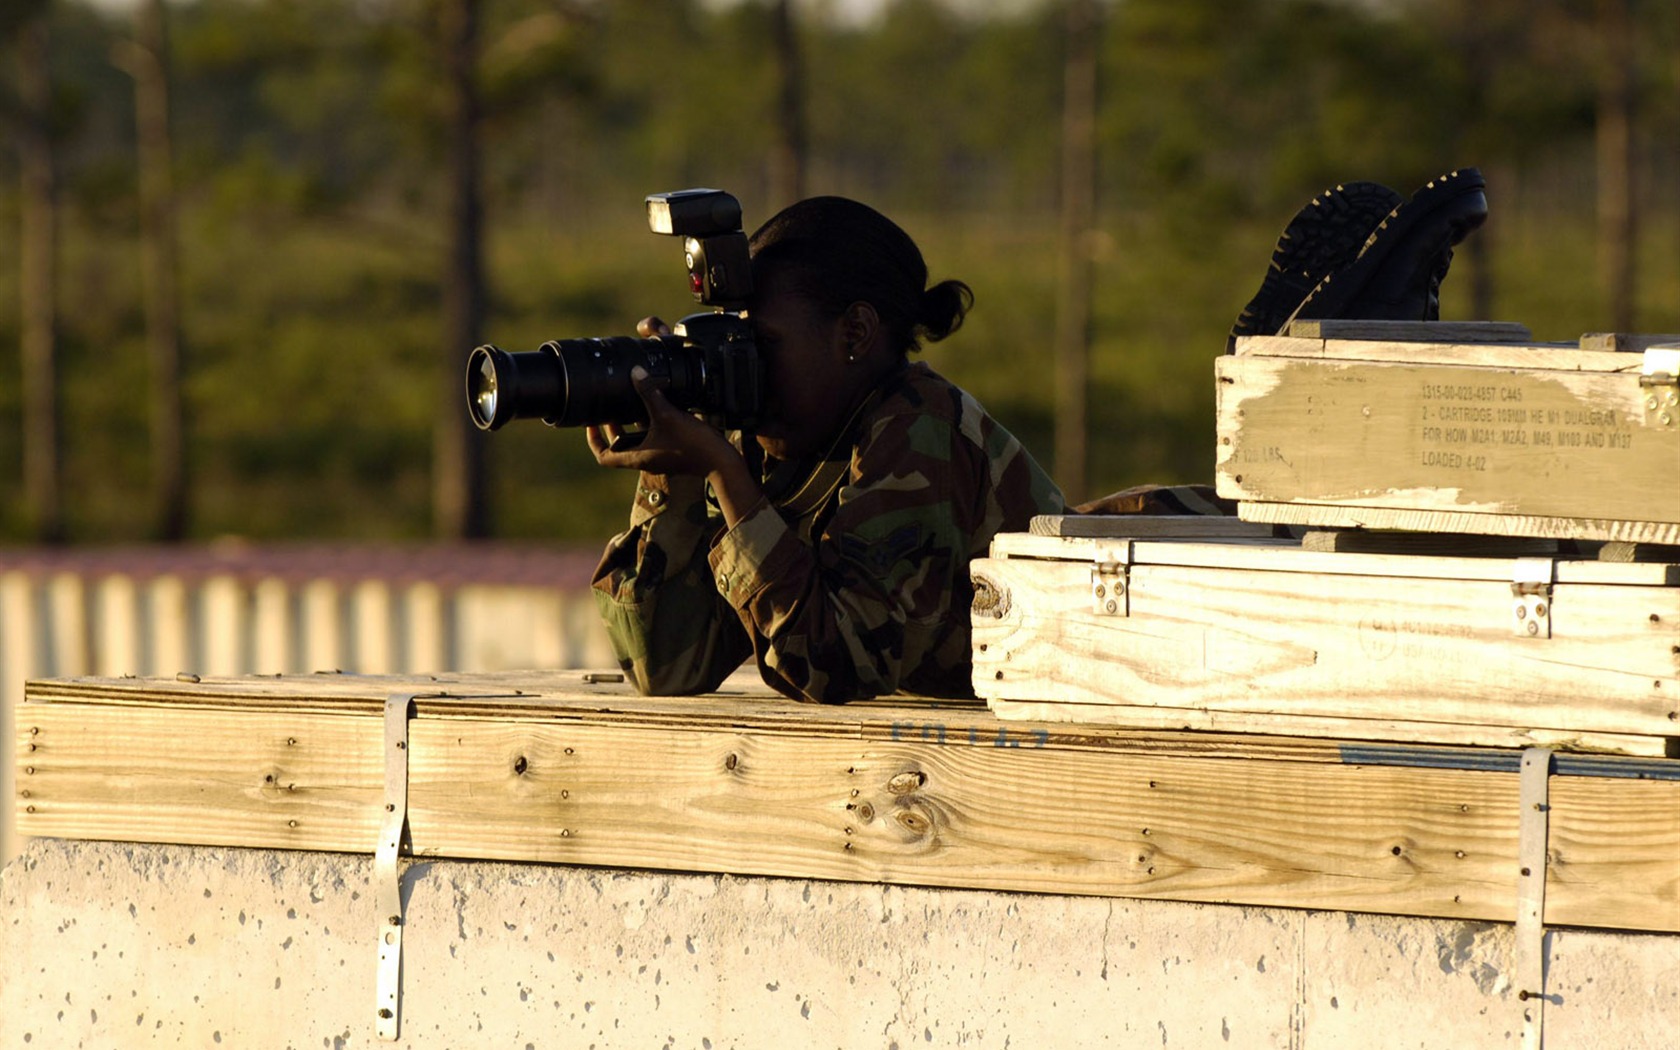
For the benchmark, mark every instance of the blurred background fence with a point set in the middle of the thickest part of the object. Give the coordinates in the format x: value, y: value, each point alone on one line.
x: 234, y: 609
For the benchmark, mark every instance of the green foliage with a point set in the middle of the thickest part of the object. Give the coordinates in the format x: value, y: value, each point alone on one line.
x: 309, y: 143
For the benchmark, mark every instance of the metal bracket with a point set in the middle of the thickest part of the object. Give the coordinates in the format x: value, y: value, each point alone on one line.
x: 1532, y: 834
x: 393, y: 840
x: 1659, y: 387
x: 1531, y: 589
x: 1111, y: 583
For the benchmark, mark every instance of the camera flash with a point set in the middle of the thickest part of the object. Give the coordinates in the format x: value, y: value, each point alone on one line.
x: 659, y: 215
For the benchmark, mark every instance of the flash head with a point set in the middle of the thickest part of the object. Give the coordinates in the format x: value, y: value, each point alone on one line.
x: 693, y: 213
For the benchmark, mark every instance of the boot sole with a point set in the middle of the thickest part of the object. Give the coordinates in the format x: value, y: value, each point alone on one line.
x: 1457, y: 199
x: 1327, y: 234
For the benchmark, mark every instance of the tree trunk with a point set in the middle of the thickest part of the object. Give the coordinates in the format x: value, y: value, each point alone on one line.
x: 461, y: 473
x: 787, y: 159
x: 38, y: 286
x: 158, y: 271
x: 1073, y: 306
x: 1617, y: 220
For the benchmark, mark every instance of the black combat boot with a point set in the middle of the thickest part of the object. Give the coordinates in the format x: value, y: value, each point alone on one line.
x: 1398, y: 274
x: 1326, y: 235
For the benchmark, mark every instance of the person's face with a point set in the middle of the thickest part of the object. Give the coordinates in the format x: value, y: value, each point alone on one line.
x: 812, y: 385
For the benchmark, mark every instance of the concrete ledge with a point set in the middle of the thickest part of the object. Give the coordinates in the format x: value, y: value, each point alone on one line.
x: 117, y: 944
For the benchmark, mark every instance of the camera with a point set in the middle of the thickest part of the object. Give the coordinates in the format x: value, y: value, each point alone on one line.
x: 710, y: 363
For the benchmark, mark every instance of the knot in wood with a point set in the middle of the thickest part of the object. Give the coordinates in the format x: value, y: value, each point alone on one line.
x: 989, y: 599
x: 520, y: 766
x: 914, y: 822
x: 905, y: 783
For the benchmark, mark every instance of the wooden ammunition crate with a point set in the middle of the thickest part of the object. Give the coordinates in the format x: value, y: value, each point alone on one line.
x: 1453, y: 428
x: 1265, y: 635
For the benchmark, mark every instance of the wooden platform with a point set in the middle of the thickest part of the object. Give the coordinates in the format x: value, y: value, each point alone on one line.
x: 574, y: 769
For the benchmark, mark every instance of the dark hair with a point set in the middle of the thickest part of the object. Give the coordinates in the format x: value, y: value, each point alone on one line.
x: 836, y: 252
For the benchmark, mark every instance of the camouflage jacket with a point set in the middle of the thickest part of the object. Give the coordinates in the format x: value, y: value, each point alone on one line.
x: 866, y: 593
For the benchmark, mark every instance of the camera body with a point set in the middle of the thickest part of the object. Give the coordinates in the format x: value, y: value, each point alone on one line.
x: 710, y: 364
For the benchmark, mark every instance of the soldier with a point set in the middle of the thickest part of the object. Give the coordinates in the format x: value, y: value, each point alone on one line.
x: 833, y: 548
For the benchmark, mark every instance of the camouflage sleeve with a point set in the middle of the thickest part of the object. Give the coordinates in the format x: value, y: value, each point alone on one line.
x: 849, y: 616
x: 671, y: 631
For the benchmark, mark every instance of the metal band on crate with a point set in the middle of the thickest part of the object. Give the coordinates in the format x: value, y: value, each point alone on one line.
x: 1532, y: 834
x: 393, y: 832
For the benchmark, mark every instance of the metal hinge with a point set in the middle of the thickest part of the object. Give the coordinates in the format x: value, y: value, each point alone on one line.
x: 1659, y: 386
x: 1531, y: 591
x: 1111, y: 579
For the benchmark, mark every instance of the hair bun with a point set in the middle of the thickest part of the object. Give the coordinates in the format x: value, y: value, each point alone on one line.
x: 943, y: 308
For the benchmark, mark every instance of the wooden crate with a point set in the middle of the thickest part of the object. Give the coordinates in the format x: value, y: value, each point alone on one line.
x: 1264, y: 635
x: 1433, y: 428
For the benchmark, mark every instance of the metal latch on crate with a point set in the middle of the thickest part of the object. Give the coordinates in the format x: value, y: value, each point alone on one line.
x: 1111, y: 579
x: 1659, y: 386
x: 1531, y: 598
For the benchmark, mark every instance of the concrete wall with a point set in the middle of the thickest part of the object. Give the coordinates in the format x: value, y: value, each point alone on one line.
x: 120, y: 945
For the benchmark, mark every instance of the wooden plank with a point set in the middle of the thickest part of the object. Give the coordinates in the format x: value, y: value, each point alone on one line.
x: 909, y: 807
x: 1290, y: 556
x: 1538, y: 356
x: 278, y: 779
x: 1614, y: 846
x: 1627, y: 342
x: 1319, y: 515
x: 744, y: 703
x: 1448, y: 544
x: 1333, y: 727
x: 1330, y: 645
x: 1027, y: 819
x: 1410, y: 331
x: 1639, y: 552
x: 1182, y: 526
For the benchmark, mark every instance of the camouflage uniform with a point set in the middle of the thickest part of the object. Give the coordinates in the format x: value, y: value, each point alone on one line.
x: 877, y: 604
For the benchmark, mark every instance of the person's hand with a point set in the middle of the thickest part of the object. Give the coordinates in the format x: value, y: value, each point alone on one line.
x: 652, y: 328
x: 674, y: 442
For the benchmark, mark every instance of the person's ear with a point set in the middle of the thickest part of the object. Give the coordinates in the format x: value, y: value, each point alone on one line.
x: 859, y: 330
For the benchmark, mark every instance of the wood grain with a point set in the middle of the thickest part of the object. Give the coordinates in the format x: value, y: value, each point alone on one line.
x: 1410, y: 331
x: 1412, y: 649
x: 910, y: 793
x: 1329, y: 727
x: 1656, y: 533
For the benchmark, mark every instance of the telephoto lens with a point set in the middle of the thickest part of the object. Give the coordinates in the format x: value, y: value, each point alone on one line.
x: 577, y: 382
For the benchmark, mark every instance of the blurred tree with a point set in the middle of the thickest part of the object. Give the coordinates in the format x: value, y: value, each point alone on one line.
x: 460, y: 462
x: 787, y: 156
x: 1077, y: 230
x: 38, y: 273
x: 1618, y: 216
x: 148, y: 61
